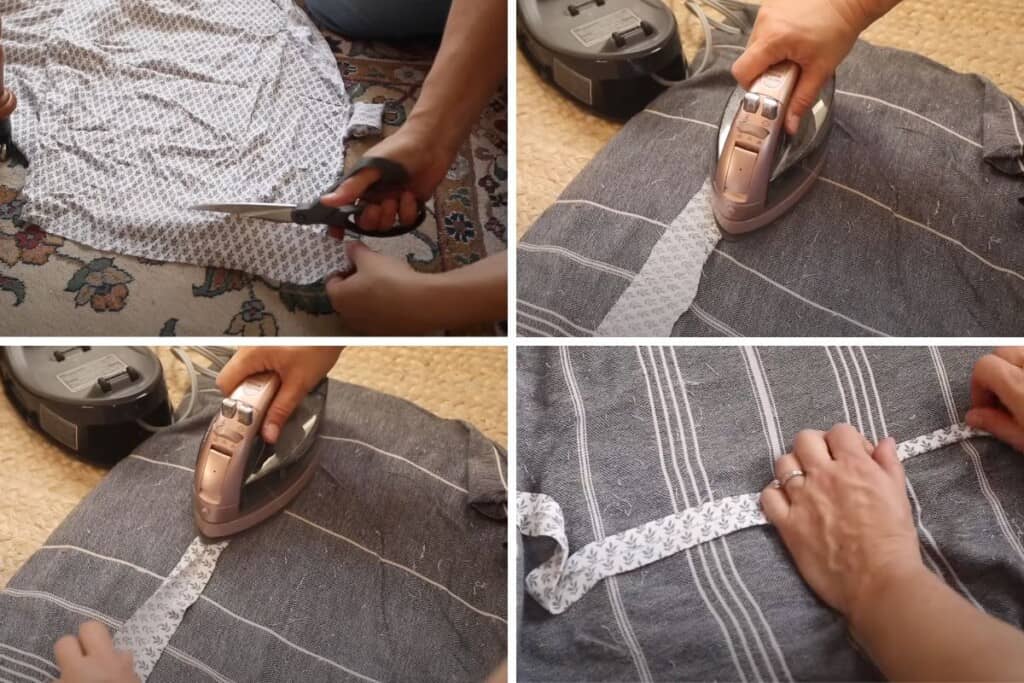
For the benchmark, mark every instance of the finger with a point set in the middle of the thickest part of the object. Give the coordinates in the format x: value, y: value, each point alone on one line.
x: 388, y: 212
x: 810, y: 449
x: 370, y: 218
x: 67, y: 651
x: 888, y: 459
x: 408, y: 208
x: 775, y: 504
x: 95, y: 638
x: 808, y: 87
x: 845, y: 441
x: 784, y: 469
x: 359, y: 254
x: 1011, y: 354
x: 755, y: 60
x: 281, y: 408
x: 352, y: 189
x: 997, y: 423
x: 245, y: 363
x: 339, y: 290
x: 995, y: 376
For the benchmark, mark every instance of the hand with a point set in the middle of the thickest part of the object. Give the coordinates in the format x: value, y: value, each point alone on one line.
x: 385, y: 296
x: 91, y: 658
x: 847, y: 523
x: 997, y: 396
x: 418, y: 150
x: 300, y: 368
x: 816, y: 34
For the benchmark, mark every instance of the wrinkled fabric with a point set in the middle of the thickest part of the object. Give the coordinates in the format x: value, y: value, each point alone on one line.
x: 622, y: 436
x: 913, y: 228
x: 131, y: 111
x: 380, y: 570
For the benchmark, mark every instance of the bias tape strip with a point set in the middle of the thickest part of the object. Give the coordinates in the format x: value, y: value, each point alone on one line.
x: 563, y: 579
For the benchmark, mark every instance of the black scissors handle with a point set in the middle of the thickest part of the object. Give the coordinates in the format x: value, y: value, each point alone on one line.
x: 393, y: 178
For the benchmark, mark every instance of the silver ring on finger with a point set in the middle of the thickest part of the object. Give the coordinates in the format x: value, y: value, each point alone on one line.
x: 793, y: 474
x: 776, y: 484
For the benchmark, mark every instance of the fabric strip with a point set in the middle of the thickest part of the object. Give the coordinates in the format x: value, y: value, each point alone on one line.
x: 147, y: 632
x: 563, y: 579
x: 667, y: 284
x: 367, y: 120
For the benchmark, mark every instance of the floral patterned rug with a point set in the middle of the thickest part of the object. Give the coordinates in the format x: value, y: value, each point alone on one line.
x: 52, y: 286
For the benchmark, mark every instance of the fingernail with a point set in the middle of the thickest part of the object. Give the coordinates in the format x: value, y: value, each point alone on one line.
x: 271, y: 432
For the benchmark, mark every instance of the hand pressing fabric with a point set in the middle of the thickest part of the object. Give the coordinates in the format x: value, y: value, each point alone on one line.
x: 91, y: 658
x: 816, y: 34
x: 997, y: 395
x: 386, y: 296
x: 300, y: 368
x: 840, y: 506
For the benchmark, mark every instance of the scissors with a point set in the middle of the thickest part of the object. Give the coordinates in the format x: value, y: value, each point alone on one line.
x: 393, y: 178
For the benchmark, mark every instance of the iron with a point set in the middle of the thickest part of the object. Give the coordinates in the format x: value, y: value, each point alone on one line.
x: 240, y: 480
x: 761, y: 172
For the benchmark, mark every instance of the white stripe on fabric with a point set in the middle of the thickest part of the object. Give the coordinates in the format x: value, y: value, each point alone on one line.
x: 798, y: 296
x: 839, y: 384
x: 520, y: 314
x: 618, y: 609
x: 609, y: 209
x: 675, y: 509
x: 713, y: 322
x: 113, y: 624
x: 758, y: 382
x: 161, y: 462
x: 22, y: 676
x: 408, y: 570
x: 920, y: 510
x: 554, y: 314
x: 908, y: 111
x: 25, y: 665
x: 696, y: 490
x: 667, y: 283
x: 41, y: 660
x: 919, y: 224
x: 538, y: 332
x: 975, y: 457
x: 853, y: 391
x: 578, y: 258
x: 214, y: 603
x: 371, y: 447
x: 781, y: 445
x: 1016, y: 130
x: 361, y: 547
x: 563, y: 579
x: 497, y: 463
x: 680, y: 118
x: 867, y: 400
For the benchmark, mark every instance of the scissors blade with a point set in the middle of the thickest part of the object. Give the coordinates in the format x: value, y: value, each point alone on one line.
x: 280, y: 213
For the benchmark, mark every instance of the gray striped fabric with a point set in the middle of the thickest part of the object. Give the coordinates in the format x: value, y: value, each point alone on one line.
x: 914, y: 228
x: 382, y: 569
x: 621, y: 436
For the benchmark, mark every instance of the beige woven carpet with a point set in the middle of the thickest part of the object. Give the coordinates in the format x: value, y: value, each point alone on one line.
x: 40, y: 483
x: 556, y: 138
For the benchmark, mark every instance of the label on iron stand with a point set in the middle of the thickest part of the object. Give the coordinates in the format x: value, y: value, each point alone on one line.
x: 84, y: 376
x: 576, y: 84
x: 599, y: 30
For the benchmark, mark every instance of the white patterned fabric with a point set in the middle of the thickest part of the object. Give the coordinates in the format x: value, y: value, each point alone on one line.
x: 147, y: 632
x: 563, y: 579
x: 130, y: 112
x: 666, y: 285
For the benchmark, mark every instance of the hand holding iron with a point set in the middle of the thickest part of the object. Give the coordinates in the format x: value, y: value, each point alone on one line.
x: 300, y: 369
x: 90, y: 657
x: 997, y: 396
x: 816, y: 34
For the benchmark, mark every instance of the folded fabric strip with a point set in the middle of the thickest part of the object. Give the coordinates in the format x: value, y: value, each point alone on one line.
x: 147, y: 632
x: 563, y: 579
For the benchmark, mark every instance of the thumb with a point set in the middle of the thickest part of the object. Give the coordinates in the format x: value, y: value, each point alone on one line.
x: 352, y: 188
x: 997, y: 423
x: 808, y: 87
x: 245, y: 363
x: 281, y: 408
x: 360, y: 255
x: 886, y: 456
x: 754, y: 61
